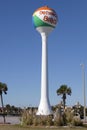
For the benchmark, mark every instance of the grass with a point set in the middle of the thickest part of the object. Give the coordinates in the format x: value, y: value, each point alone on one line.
x: 16, y: 127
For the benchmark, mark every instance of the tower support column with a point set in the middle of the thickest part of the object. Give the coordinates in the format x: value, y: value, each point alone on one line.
x: 44, y: 106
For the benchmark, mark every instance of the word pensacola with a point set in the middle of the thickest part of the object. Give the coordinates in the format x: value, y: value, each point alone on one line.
x: 47, y: 16
x: 48, y: 13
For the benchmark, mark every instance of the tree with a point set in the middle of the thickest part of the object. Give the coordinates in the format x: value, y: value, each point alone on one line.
x: 8, y: 108
x: 64, y: 90
x: 3, y: 89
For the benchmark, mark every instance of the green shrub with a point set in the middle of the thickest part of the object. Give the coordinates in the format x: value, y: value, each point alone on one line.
x: 76, y: 121
x: 58, y: 121
x: 26, y: 118
x: 49, y: 121
x: 69, y: 116
x: 31, y: 119
x: 35, y: 122
x: 44, y: 120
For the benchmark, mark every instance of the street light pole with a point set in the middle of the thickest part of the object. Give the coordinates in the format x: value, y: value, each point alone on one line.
x: 84, y: 96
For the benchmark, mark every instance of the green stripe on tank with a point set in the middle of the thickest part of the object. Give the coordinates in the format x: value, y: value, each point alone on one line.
x: 38, y: 22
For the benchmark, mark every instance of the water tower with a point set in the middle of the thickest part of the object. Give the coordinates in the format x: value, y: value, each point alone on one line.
x: 44, y: 20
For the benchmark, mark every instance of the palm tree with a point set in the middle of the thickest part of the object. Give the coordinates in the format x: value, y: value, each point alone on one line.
x: 64, y: 90
x: 3, y: 89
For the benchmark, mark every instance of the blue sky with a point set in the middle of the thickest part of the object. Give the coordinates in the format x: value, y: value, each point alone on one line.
x: 20, y: 51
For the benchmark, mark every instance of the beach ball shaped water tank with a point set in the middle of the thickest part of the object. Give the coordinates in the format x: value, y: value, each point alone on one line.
x: 45, y: 17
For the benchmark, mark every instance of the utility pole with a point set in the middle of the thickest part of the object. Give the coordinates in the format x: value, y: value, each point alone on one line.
x: 84, y: 96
